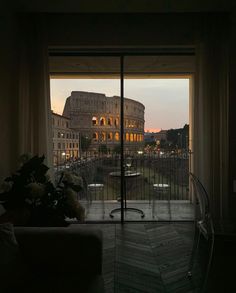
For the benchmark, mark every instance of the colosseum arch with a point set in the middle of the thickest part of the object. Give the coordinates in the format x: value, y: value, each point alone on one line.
x: 109, y: 136
x: 116, y: 122
x: 103, y: 136
x: 117, y: 136
x: 95, y: 136
x: 109, y: 121
x: 102, y: 121
x: 94, y: 120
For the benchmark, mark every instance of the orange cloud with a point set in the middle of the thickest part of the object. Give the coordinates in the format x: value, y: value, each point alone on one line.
x: 152, y: 129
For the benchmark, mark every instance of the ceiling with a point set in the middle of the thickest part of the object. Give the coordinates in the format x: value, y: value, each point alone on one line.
x: 109, y: 67
x: 122, y: 6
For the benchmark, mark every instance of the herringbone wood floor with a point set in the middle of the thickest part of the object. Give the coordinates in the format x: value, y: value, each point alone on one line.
x: 147, y: 257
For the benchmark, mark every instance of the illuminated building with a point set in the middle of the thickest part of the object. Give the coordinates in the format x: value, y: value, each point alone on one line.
x: 97, y: 117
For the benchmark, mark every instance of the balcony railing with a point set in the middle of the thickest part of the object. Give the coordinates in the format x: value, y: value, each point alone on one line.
x: 156, y: 177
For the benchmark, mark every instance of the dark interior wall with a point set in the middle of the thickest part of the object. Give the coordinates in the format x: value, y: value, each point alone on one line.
x: 121, y: 29
x: 9, y: 92
x: 103, y: 30
x: 124, y: 6
x: 232, y: 119
x: 140, y: 30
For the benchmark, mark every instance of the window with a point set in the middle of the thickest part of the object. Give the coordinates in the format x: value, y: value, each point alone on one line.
x: 103, y: 136
x: 131, y: 137
x: 109, y: 121
x: 116, y: 122
x: 117, y: 136
x: 109, y: 136
x: 127, y: 136
x: 59, y: 135
x: 59, y: 145
x: 95, y: 136
x: 94, y: 121
x: 102, y: 121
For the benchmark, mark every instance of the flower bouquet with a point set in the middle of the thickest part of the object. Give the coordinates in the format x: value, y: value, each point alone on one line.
x: 31, y: 199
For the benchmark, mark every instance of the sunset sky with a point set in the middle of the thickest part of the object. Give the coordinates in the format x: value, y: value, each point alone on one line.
x: 166, y: 101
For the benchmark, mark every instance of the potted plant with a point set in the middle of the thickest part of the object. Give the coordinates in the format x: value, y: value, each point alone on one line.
x: 30, y: 198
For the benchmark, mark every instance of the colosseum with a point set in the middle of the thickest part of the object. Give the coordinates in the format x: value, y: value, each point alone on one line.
x: 97, y: 117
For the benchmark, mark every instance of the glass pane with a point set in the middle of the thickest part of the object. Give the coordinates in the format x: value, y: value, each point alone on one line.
x: 85, y: 98
x: 156, y: 138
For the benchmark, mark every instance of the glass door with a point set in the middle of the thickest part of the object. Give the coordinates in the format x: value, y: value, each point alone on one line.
x: 87, y: 140
x: 156, y: 131
x: 121, y: 122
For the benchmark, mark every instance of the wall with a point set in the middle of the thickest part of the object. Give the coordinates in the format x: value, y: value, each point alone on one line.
x: 154, y: 30
x: 8, y: 93
x: 108, y: 30
x: 232, y: 115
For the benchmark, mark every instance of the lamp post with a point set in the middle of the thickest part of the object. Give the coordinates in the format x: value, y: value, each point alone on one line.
x: 63, y: 154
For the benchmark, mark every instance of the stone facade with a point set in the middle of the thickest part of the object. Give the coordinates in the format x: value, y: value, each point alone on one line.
x: 97, y: 117
x: 65, y: 140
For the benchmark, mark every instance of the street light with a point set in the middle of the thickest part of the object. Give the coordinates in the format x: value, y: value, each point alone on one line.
x: 63, y: 156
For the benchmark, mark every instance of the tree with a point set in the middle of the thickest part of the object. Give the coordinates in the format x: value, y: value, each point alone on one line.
x: 178, y: 137
x: 117, y: 149
x: 103, y: 149
x: 85, y: 143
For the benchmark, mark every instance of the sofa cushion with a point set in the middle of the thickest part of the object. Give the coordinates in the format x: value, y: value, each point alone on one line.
x: 79, y: 283
x: 13, y: 270
x: 61, y: 251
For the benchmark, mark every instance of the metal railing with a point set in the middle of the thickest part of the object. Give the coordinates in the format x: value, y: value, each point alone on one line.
x: 164, y: 169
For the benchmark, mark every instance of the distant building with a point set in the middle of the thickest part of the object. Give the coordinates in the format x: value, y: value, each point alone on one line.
x: 97, y: 117
x: 66, y: 144
x: 151, y: 137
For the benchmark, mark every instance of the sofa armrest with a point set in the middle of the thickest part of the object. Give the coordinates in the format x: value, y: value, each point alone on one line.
x: 61, y: 250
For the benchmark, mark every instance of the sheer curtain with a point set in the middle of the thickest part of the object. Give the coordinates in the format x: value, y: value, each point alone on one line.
x: 210, y: 108
x: 35, y: 130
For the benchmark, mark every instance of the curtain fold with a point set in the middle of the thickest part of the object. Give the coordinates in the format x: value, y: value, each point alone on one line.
x: 210, y: 107
x: 35, y: 130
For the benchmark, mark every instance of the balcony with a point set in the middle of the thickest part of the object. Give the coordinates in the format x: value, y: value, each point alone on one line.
x: 157, y: 184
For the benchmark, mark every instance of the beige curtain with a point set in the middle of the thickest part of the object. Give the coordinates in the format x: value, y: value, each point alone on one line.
x: 210, y: 109
x: 35, y: 135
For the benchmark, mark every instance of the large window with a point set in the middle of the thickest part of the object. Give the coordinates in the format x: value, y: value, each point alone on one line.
x: 128, y: 114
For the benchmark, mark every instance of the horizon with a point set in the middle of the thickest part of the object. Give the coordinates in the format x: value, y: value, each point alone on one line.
x: 166, y: 101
